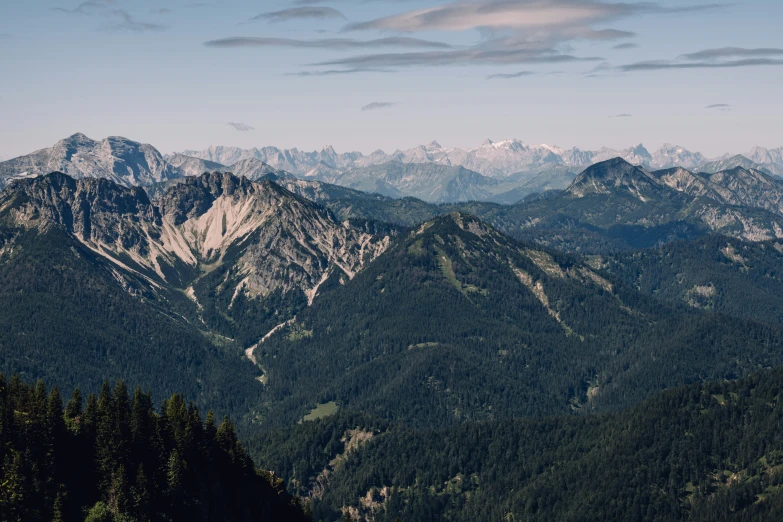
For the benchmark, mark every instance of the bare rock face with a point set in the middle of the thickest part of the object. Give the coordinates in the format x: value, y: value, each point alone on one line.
x: 269, y: 238
x: 94, y: 210
x: 612, y: 175
x: 255, y: 169
x: 121, y: 160
x: 189, y: 166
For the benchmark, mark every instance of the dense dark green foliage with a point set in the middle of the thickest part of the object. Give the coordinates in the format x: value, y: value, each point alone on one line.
x: 707, y: 452
x: 717, y: 273
x: 116, y: 458
x: 65, y: 319
x: 440, y: 330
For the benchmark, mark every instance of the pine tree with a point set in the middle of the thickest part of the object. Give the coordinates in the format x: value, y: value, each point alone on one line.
x: 119, y: 497
x: 12, y: 489
x: 121, y: 409
x: 105, y: 439
x: 175, y: 470
x: 74, y: 407
x: 141, y: 495
x: 58, y: 514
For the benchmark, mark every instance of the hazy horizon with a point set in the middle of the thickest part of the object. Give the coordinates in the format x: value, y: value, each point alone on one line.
x: 649, y: 148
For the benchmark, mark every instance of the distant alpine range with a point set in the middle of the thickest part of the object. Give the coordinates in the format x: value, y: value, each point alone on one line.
x: 502, y: 172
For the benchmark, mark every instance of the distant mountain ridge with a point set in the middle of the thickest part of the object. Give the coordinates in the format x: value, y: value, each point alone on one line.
x: 502, y: 172
x: 493, y: 159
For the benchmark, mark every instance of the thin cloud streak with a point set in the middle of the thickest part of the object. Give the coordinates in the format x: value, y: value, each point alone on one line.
x: 241, y: 127
x: 509, y: 76
x: 732, y: 52
x: 663, y: 65
x: 374, y: 106
x: 337, y: 72
x: 300, y: 13
x: 443, y: 58
x: 327, y: 43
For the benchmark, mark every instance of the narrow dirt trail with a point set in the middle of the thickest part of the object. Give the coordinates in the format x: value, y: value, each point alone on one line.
x: 249, y: 353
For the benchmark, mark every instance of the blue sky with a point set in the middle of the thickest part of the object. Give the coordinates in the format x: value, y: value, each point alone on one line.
x: 582, y: 73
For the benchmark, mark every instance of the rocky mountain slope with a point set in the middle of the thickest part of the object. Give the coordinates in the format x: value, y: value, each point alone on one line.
x: 118, y: 159
x: 255, y: 170
x: 731, y: 162
x: 225, y: 241
x: 190, y: 166
x: 426, y: 181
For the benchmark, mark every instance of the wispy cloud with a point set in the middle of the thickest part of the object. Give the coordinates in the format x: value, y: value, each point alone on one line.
x: 723, y: 107
x: 241, y: 127
x: 732, y: 52
x: 84, y: 8
x: 509, y: 76
x: 509, y: 14
x: 338, y: 72
x: 299, y: 13
x: 461, y: 57
x: 106, y: 8
x: 161, y: 11
x: 326, y: 43
x: 129, y: 24
x: 623, y: 115
x: 661, y: 65
x: 720, y: 58
x: 626, y: 45
x: 374, y: 106
x: 514, y: 31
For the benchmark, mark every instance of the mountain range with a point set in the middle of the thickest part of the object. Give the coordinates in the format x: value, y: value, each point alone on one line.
x: 502, y: 172
x: 265, y: 270
x: 281, y: 301
x: 492, y: 159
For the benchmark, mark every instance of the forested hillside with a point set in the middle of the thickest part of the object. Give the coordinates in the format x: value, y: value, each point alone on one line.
x: 116, y: 458
x: 706, y: 452
x: 457, y: 322
x: 718, y: 273
x: 68, y: 320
